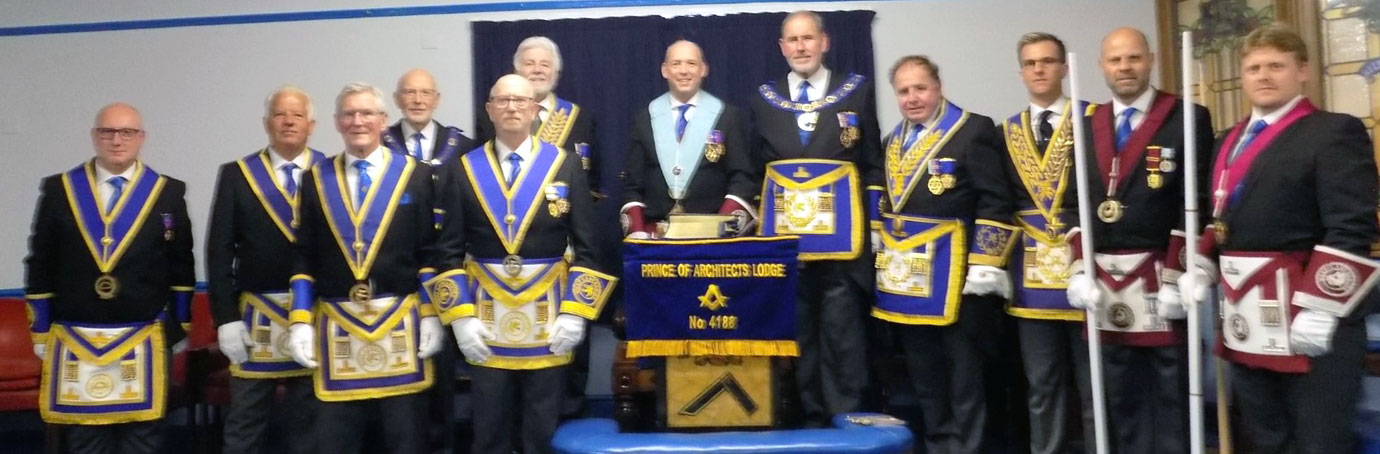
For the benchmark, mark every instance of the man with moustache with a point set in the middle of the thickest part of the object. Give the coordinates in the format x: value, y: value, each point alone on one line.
x: 519, y: 308
x: 1039, y: 160
x: 1293, y: 216
x: 944, y: 235
x: 365, y: 246
x: 1136, y: 173
x: 817, y: 135
x: 689, y: 153
x: 253, y: 220
x: 110, y: 266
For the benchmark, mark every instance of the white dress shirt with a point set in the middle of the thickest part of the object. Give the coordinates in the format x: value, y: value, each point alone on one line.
x: 1058, y: 107
x: 104, y: 190
x: 375, y: 160
x: 428, y: 138
x: 276, y: 162
x: 694, y: 103
x: 819, y: 82
x: 1142, y: 105
x: 1273, y: 116
x: 524, y: 150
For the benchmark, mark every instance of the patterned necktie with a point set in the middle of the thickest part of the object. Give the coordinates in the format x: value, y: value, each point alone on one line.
x: 915, y: 131
x: 362, y: 167
x: 1044, y: 130
x: 417, y: 145
x: 119, y: 183
x: 515, y: 166
x: 681, y: 122
x: 1250, y: 136
x: 1123, y: 127
x: 289, y: 183
x: 804, y: 98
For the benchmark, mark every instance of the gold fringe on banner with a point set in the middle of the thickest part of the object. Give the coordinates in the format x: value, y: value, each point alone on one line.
x: 640, y: 348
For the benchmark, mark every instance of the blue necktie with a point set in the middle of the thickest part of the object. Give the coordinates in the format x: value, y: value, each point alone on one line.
x: 681, y: 121
x: 119, y: 184
x: 364, y: 182
x: 288, y: 183
x: 804, y: 98
x: 417, y: 145
x: 1123, y: 128
x: 910, y: 138
x: 1251, y: 133
x: 515, y: 161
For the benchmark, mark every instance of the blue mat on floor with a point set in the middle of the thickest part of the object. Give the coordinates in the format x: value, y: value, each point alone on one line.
x: 602, y: 436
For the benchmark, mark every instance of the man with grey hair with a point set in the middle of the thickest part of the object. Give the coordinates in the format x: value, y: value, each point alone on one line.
x: 417, y: 133
x: 365, y: 247
x: 253, y: 221
x: 827, y: 121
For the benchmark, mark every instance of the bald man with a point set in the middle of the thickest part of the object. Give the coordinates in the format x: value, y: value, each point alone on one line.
x: 689, y: 153
x: 1139, y: 209
x: 108, y: 276
x: 521, y: 308
x: 417, y: 133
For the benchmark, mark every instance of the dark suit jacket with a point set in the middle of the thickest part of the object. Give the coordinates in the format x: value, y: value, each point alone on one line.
x: 776, y: 135
x: 60, y: 263
x: 732, y: 174
x: 583, y: 131
x: 245, y: 249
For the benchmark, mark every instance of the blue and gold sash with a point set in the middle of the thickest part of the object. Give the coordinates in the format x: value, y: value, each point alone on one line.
x: 1043, y: 173
x: 511, y: 210
x: 104, y: 374
x: 905, y: 168
x: 920, y: 270
x: 817, y: 199
x: 109, y: 235
x: 768, y: 93
x: 680, y: 159
x: 448, y: 135
x: 559, y: 122
x: 369, y: 350
x: 280, y: 207
x: 266, y: 315
x: 360, y: 233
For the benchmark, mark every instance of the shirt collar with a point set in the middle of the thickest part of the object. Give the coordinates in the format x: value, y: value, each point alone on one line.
x: 1142, y: 103
x: 276, y: 161
x: 1273, y: 116
x: 524, y: 149
x: 818, y: 81
x: 694, y: 101
x: 428, y: 133
x: 103, y: 175
x: 375, y: 158
x: 548, y: 103
x: 1057, y: 107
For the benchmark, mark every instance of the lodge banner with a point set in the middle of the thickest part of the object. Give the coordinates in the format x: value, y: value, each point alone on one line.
x: 711, y: 297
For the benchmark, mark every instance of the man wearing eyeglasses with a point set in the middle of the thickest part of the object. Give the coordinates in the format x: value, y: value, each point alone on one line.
x: 689, y: 153
x: 519, y: 307
x: 253, y: 220
x: 361, y: 314
x: 109, y: 281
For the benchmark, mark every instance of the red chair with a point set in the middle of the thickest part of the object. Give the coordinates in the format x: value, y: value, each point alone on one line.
x: 20, y: 370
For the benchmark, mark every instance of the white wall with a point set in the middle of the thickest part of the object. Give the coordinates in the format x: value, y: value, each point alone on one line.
x: 201, y: 88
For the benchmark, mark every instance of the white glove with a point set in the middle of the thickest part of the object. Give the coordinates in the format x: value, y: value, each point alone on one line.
x: 567, y: 333
x: 40, y: 349
x: 1311, y: 332
x: 1083, y: 292
x: 1194, y: 286
x: 471, y: 336
x: 987, y: 280
x: 234, y: 341
x: 640, y: 235
x: 430, y: 337
x: 301, y: 338
x: 876, y: 238
x: 1172, y: 309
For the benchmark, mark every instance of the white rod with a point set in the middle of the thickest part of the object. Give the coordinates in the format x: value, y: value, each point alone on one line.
x: 1195, y: 337
x: 1080, y: 157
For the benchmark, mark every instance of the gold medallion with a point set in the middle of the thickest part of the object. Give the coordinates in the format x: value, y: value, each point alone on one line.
x: 949, y: 180
x: 1219, y: 231
x: 713, y: 151
x: 1154, y: 180
x: 107, y: 287
x: 1109, y: 211
x: 849, y: 136
x: 361, y: 293
x: 936, y: 186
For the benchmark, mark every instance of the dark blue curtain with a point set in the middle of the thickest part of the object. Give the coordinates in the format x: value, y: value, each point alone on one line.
x: 612, y: 68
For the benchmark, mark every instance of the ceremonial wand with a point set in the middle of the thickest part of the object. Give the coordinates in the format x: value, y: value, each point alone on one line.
x: 1080, y: 159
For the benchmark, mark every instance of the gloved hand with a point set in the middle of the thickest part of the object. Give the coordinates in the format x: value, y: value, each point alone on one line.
x: 471, y: 336
x: 1195, y: 285
x: 301, y: 343
x: 429, y: 338
x: 742, y: 225
x: 1083, y: 291
x: 1311, y: 332
x: 40, y: 349
x: 987, y: 280
x: 876, y: 238
x: 1173, y: 309
x: 234, y: 341
x: 567, y: 333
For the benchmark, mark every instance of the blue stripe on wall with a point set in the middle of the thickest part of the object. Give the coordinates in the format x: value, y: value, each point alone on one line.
x: 57, y: 29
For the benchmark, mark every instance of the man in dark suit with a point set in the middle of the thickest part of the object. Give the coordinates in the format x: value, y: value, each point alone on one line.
x: 520, y: 307
x: 1293, y: 208
x: 365, y: 244
x: 253, y: 220
x: 689, y: 153
x: 943, y: 235
x: 110, y: 266
x: 830, y: 120
x: 417, y: 133
x: 1139, y: 134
